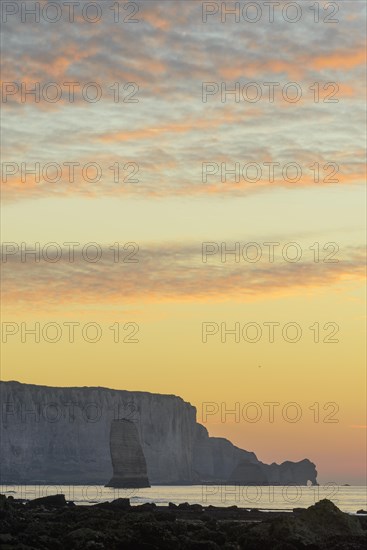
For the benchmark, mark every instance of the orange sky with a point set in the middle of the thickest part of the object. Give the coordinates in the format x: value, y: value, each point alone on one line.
x: 166, y: 136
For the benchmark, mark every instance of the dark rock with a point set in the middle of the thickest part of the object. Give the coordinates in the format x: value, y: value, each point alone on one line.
x: 324, y: 516
x: 184, y: 506
x: 3, y: 502
x: 166, y: 516
x: 292, y: 531
x: 361, y: 511
x: 213, y: 535
x: 190, y: 507
x: 121, y: 503
x: 52, y: 501
x: 208, y: 520
x: 5, y: 538
x: 312, y: 527
x: 202, y: 545
x: 117, y: 504
x: 196, y: 507
x: 84, y: 534
x: 289, y: 546
x: 146, y: 507
x: 118, y: 526
x: 322, y: 525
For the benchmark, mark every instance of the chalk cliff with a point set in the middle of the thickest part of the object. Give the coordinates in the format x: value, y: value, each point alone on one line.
x: 62, y: 435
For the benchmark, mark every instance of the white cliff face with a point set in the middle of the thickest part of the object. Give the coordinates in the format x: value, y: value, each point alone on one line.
x: 62, y: 435
x: 215, y: 458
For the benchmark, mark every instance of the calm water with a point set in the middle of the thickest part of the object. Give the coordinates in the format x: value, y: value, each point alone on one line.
x: 348, y: 499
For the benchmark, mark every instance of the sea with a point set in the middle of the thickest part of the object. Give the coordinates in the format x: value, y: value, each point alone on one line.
x: 268, y: 498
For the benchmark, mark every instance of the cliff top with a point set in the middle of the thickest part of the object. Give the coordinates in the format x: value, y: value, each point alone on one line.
x: 100, y: 388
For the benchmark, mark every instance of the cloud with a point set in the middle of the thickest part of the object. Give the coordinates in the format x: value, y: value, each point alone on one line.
x: 163, y: 273
x: 170, y: 131
x: 154, y: 169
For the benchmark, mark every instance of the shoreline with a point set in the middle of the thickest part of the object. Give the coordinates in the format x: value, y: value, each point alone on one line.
x: 265, y: 498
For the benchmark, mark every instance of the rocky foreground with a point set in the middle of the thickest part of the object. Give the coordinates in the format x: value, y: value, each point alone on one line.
x: 53, y: 523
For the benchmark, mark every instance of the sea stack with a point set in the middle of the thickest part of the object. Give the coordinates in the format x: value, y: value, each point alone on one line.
x: 128, y: 460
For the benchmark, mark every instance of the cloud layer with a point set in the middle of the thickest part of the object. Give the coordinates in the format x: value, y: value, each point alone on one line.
x: 168, y: 55
x: 166, y: 273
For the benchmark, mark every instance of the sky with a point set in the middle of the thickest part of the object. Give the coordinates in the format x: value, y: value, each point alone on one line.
x: 180, y: 172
